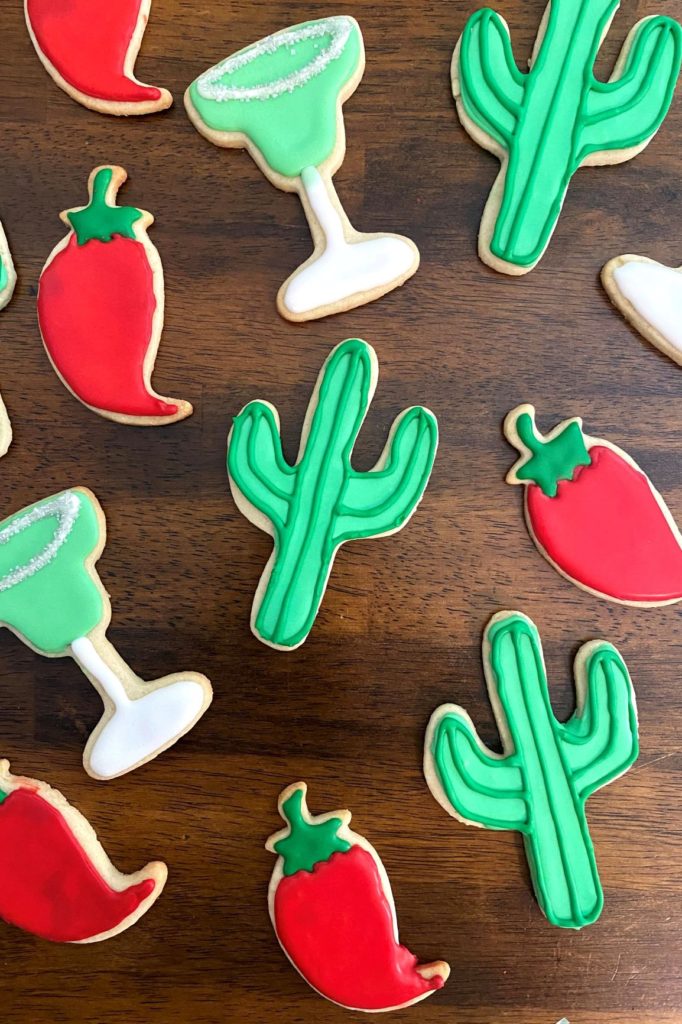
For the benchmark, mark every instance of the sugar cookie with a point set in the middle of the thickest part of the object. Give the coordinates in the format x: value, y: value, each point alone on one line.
x: 593, y: 513
x: 282, y: 99
x: 540, y: 783
x: 59, y: 883
x: 649, y: 295
x: 315, y: 506
x: 100, y: 308
x: 332, y: 910
x: 90, y: 49
x: 52, y: 598
x: 545, y: 124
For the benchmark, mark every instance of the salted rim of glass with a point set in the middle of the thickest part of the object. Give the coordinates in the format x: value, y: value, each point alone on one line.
x: 339, y: 27
x: 65, y: 508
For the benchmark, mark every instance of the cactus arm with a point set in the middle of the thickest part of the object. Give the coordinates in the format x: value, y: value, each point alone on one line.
x: 256, y: 465
x: 490, y: 84
x: 600, y: 741
x: 382, y: 500
x: 626, y: 111
x: 479, y: 786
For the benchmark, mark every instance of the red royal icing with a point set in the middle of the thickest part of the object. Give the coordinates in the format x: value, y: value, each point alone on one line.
x: 48, y: 884
x: 337, y: 926
x: 606, y: 530
x: 87, y: 42
x: 95, y: 306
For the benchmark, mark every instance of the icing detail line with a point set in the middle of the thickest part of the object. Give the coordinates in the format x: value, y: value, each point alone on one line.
x: 65, y: 507
x: 209, y: 85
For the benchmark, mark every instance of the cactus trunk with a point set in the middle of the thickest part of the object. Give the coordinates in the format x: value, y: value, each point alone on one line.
x: 546, y: 148
x: 565, y: 871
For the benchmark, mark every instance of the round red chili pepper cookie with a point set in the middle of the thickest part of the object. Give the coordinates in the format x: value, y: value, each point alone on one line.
x: 594, y: 514
x: 59, y: 883
x: 89, y: 47
x: 100, y: 308
x: 333, y: 913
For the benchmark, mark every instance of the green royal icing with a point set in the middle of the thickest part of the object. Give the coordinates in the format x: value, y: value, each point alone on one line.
x: 540, y: 786
x: 321, y: 502
x: 101, y: 219
x: 3, y: 275
x: 46, y: 594
x: 551, y: 119
x: 282, y: 92
x: 308, y: 842
x: 551, y: 459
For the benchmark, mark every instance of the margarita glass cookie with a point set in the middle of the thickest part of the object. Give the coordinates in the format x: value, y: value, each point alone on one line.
x: 332, y: 910
x: 89, y: 48
x: 315, y: 506
x: 593, y: 513
x: 649, y: 295
x: 100, y: 308
x: 540, y: 783
x: 53, y: 599
x: 544, y: 124
x: 59, y: 882
x: 8, y: 277
x: 281, y: 99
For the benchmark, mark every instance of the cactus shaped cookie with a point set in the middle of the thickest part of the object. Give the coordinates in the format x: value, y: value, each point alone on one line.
x: 540, y: 784
x: 545, y: 124
x: 321, y: 502
x: 8, y: 277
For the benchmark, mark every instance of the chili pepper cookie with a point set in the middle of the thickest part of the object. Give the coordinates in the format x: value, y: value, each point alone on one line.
x: 546, y: 123
x: 58, y: 882
x: 282, y: 99
x: 52, y: 598
x: 332, y: 910
x: 89, y: 48
x: 594, y: 515
x: 649, y: 295
x: 541, y: 782
x: 100, y: 308
x: 316, y: 505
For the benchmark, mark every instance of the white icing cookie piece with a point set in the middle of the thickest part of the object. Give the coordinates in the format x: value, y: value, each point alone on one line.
x: 649, y: 295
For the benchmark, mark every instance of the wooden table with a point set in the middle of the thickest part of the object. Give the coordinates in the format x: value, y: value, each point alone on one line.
x: 399, y: 631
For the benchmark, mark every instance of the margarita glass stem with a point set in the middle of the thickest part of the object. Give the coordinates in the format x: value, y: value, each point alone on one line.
x: 325, y: 213
x: 93, y: 664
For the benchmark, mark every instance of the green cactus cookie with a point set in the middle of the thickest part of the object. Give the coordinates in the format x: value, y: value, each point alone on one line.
x: 544, y: 124
x: 540, y: 784
x: 320, y: 503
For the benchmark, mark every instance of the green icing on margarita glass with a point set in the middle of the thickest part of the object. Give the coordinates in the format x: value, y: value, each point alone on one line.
x: 282, y: 92
x: 52, y: 598
x: 281, y: 98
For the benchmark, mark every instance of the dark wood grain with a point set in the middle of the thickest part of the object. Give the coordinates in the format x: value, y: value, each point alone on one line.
x: 399, y: 630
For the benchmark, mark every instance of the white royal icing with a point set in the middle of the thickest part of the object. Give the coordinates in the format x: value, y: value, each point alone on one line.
x: 211, y: 88
x: 140, y: 728
x: 65, y: 508
x: 345, y: 268
x: 655, y: 292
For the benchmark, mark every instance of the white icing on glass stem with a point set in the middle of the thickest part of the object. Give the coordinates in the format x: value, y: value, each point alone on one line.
x: 345, y: 268
x: 138, y: 729
x: 211, y: 88
x: 655, y: 293
x: 65, y: 508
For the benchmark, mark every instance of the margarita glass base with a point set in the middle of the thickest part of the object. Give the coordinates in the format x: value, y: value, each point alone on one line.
x: 141, y: 728
x: 346, y: 273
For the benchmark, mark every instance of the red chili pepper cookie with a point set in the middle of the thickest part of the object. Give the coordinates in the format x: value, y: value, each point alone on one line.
x: 89, y: 48
x: 59, y: 883
x: 332, y: 910
x: 100, y: 308
x: 593, y: 513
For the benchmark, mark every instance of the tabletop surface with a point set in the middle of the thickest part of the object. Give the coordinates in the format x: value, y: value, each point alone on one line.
x: 400, y: 628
